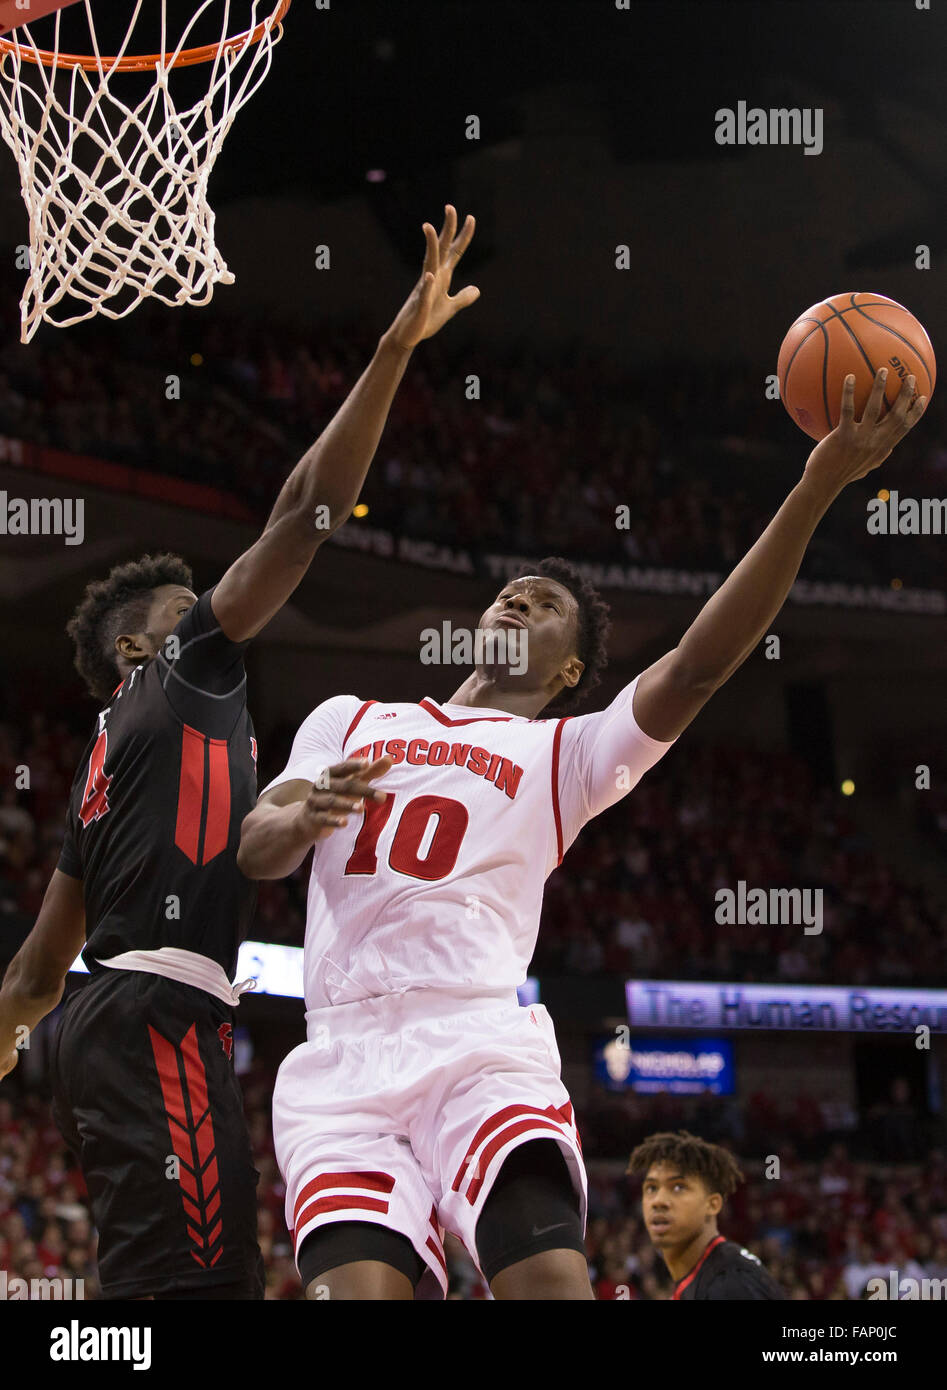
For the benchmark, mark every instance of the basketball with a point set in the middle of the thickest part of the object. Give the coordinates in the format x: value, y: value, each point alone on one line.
x: 850, y: 333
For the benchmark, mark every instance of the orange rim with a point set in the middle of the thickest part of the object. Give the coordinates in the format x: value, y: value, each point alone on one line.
x: 187, y: 58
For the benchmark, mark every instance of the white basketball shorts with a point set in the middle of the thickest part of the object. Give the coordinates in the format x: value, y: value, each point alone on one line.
x: 401, y: 1110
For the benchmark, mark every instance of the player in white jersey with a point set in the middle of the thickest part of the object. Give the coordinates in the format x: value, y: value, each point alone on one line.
x: 470, y: 846
x: 425, y: 1098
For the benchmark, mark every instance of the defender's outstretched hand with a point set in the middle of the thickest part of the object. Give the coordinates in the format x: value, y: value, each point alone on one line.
x: 855, y: 447
x: 429, y: 306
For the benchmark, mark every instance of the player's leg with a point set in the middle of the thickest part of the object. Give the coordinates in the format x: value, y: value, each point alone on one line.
x: 360, y: 1213
x: 529, y: 1235
x: 359, y: 1260
x: 146, y: 1096
x: 368, y: 1281
x: 499, y: 1144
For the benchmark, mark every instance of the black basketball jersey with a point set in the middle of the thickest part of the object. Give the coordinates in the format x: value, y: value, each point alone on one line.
x: 727, y: 1272
x: 157, y: 802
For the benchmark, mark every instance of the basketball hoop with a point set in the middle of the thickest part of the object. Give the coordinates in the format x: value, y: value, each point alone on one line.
x: 133, y: 220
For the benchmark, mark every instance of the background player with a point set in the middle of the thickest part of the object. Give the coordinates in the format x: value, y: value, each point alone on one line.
x: 148, y: 879
x: 686, y: 1182
x: 400, y: 1115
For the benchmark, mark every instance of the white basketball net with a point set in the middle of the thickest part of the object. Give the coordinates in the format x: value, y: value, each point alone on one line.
x: 133, y: 221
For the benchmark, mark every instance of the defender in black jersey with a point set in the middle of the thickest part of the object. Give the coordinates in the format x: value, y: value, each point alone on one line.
x: 685, y: 1183
x: 152, y: 833
x: 147, y: 885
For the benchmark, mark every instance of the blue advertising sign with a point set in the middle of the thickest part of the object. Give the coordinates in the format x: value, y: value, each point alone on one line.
x: 682, y: 1068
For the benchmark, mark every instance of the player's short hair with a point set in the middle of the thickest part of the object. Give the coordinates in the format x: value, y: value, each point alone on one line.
x: 115, y: 605
x: 693, y: 1157
x: 594, y: 625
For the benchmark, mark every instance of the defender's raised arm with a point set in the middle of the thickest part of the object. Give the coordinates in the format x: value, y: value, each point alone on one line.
x: 319, y: 494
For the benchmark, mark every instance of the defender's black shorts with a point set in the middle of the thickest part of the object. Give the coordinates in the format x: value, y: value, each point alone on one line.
x: 145, y: 1094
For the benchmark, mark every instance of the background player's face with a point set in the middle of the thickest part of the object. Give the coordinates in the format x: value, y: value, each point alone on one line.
x: 168, y: 605
x: 676, y: 1207
x: 550, y: 615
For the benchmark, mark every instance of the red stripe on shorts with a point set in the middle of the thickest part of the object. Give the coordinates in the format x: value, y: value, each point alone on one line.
x: 191, y: 1128
x: 375, y: 1182
x: 497, y: 1143
x: 433, y: 1242
x: 436, y: 1251
x: 324, y: 1204
x: 551, y: 1112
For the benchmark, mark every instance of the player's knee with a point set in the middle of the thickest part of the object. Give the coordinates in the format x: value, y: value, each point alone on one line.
x: 358, y: 1260
x: 549, y: 1276
x: 533, y: 1211
x: 363, y: 1280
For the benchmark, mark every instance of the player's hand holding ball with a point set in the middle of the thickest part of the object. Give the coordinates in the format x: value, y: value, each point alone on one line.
x: 856, y: 447
x: 851, y: 346
x: 429, y: 306
x: 349, y: 786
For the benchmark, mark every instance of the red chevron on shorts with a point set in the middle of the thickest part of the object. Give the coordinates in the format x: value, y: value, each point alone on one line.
x: 508, y: 1123
x: 184, y: 1088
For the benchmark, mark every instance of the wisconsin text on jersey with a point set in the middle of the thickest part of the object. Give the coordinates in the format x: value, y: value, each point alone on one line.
x: 492, y: 767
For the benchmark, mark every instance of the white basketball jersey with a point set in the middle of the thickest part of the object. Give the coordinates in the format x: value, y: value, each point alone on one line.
x: 441, y: 886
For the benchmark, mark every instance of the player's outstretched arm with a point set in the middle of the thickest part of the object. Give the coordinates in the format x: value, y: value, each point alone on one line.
x: 672, y: 691
x: 319, y: 494
x: 286, y: 822
x: 36, y: 976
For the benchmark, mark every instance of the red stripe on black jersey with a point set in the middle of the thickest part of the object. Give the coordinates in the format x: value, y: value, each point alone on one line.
x: 217, y: 827
x: 187, y: 829
x: 203, y: 796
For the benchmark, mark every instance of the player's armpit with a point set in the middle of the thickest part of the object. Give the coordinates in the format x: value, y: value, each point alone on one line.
x: 666, y: 701
x: 35, y: 978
